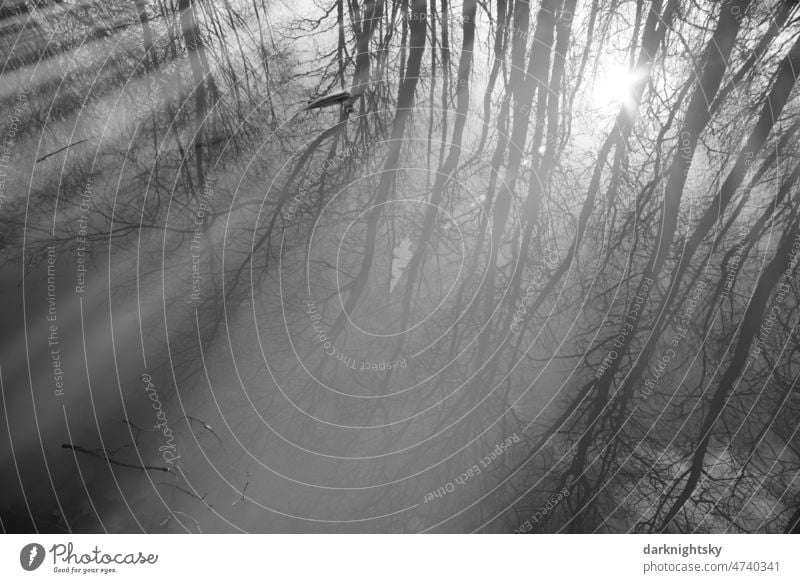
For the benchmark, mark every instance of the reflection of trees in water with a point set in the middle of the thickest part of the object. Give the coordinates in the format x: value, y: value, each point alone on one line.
x: 469, y: 204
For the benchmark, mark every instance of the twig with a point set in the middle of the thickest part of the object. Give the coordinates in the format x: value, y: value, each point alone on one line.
x: 185, y: 491
x: 104, y: 456
x: 235, y: 502
x: 46, y: 156
x: 205, y: 426
x: 172, y: 515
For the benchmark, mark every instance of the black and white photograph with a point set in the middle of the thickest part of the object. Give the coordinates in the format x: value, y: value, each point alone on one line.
x: 400, y: 266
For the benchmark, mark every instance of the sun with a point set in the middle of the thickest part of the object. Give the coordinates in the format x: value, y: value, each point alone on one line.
x: 614, y: 86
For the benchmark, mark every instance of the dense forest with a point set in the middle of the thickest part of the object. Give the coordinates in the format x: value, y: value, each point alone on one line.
x: 400, y: 266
